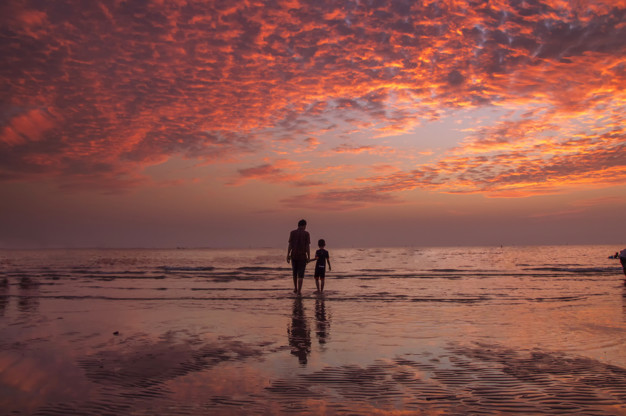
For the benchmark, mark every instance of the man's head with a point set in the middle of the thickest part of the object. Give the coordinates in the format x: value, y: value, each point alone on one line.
x: 302, y: 224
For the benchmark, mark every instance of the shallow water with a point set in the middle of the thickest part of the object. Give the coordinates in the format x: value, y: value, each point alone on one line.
x: 423, y: 330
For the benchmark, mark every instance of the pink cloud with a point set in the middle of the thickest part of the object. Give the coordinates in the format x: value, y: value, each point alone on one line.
x: 344, y: 148
x: 341, y: 200
x: 278, y: 172
x: 29, y: 126
x: 99, y: 92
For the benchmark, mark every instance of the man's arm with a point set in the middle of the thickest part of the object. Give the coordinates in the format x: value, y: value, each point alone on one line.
x: 308, y: 247
x: 289, y: 250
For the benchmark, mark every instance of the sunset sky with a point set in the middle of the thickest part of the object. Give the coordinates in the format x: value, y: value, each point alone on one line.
x: 221, y: 123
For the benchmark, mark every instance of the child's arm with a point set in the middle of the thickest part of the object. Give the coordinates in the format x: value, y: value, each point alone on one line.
x: 328, y: 260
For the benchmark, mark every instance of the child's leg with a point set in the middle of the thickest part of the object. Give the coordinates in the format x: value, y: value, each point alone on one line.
x: 317, y: 283
x: 321, y: 284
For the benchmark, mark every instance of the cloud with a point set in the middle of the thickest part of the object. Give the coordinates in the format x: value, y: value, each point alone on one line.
x: 345, y: 148
x: 95, y: 92
x: 27, y: 126
x: 341, y: 200
x: 569, y: 213
x: 281, y: 171
x: 601, y: 201
x: 601, y: 162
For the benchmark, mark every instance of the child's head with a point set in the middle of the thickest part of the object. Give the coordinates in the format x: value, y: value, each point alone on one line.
x: 321, y: 243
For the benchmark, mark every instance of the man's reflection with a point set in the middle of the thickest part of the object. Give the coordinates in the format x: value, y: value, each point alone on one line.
x: 299, y: 333
x: 322, y: 321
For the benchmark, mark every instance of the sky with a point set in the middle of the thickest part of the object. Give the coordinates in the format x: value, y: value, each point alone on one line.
x: 183, y: 123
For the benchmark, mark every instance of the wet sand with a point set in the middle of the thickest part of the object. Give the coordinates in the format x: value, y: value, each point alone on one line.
x: 364, y: 347
x: 186, y: 359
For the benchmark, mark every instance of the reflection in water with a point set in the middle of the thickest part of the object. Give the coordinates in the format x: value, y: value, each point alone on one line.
x: 26, y: 282
x: 299, y: 333
x: 491, y: 341
x: 27, y: 301
x: 322, y: 320
x: 624, y: 301
x: 4, y: 295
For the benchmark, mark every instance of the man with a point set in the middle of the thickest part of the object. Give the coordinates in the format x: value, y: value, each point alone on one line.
x: 299, y: 253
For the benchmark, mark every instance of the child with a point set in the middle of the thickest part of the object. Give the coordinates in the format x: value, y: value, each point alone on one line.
x: 322, y: 258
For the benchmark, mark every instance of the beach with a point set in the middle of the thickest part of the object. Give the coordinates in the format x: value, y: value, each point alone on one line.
x: 450, y: 330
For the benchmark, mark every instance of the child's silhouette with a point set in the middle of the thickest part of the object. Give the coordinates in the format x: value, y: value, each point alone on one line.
x: 322, y: 257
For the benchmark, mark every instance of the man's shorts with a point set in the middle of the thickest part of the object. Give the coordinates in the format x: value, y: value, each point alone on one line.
x: 298, y: 266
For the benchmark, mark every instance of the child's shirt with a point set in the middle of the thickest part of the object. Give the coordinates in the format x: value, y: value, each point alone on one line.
x: 321, y: 255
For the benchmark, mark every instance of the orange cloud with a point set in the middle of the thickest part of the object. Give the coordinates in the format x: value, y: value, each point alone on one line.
x: 99, y: 92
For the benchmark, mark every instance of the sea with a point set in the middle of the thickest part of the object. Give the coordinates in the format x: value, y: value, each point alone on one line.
x: 450, y: 330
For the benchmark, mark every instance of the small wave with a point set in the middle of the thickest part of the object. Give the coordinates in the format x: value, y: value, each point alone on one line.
x: 234, y: 289
x: 574, y: 270
x: 558, y: 299
x: 396, y: 276
x: 108, y: 278
x: 91, y: 272
x: 36, y: 298
x: 187, y: 269
x: 256, y: 268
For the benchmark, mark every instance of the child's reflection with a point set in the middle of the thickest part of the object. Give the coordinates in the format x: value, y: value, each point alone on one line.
x: 299, y: 333
x: 322, y: 321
